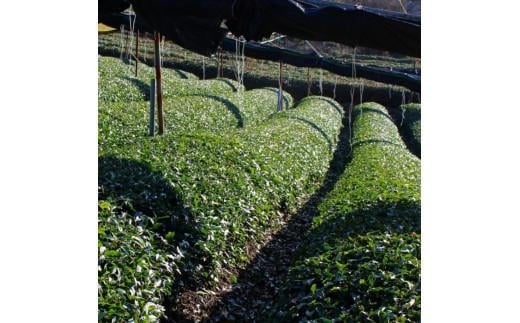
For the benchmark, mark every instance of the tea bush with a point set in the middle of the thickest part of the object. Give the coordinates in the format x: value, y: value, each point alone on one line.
x: 361, y: 258
x: 210, y: 113
x: 411, y: 126
x: 136, y: 267
x: 116, y: 82
x: 211, y: 186
x: 229, y: 188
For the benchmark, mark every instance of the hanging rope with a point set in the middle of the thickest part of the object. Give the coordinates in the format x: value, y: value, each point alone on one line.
x: 163, y: 40
x: 132, y: 29
x: 354, y: 77
x: 243, y: 55
x: 237, y: 60
x: 240, y: 60
x: 403, y: 110
x: 122, y: 38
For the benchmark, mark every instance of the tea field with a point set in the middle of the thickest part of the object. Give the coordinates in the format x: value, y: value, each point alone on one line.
x: 183, y: 216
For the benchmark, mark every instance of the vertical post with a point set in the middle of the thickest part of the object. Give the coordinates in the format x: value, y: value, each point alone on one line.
x: 203, y: 68
x: 163, y: 41
x: 308, y: 81
x: 280, y: 76
x: 158, y: 85
x: 152, y: 107
x: 127, y: 44
x: 280, y: 88
x: 136, y: 51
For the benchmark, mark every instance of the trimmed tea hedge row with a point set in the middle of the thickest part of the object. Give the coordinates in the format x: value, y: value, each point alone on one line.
x: 136, y: 266
x: 222, y: 193
x: 361, y: 259
x: 210, y: 113
x: 284, y: 159
x: 117, y: 83
x: 298, y: 143
x: 411, y: 126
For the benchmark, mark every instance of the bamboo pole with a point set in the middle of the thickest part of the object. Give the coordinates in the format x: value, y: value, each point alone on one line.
x: 136, y: 52
x: 160, y: 116
x: 152, y: 107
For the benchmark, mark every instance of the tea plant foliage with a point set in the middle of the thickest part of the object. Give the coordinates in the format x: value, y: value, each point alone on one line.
x: 410, y: 121
x: 134, y: 273
x: 361, y: 258
x: 188, y: 205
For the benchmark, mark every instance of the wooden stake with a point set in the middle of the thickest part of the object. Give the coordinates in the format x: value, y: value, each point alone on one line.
x: 152, y: 107
x: 136, y: 51
x: 160, y: 116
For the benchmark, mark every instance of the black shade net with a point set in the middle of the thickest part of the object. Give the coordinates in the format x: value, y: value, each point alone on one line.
x: 198, y: 25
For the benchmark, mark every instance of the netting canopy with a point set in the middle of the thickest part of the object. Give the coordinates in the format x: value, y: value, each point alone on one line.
x: 390, y: 39
x: 200, y: 25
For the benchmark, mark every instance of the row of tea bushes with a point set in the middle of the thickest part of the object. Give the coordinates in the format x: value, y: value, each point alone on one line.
x: 189, y: 114
x: 217, y: 195
x: 298, y: 143
x: 282, y: 161
x: 361, y: 258
x: 116, y: 82
x: 410, y: 119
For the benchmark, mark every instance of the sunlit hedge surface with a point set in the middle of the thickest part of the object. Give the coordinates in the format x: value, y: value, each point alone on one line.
x: 212, y: 188
x: 193, y: 113
x: 361, y: 258
x: 228, y: 188
x: 117, y: 82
